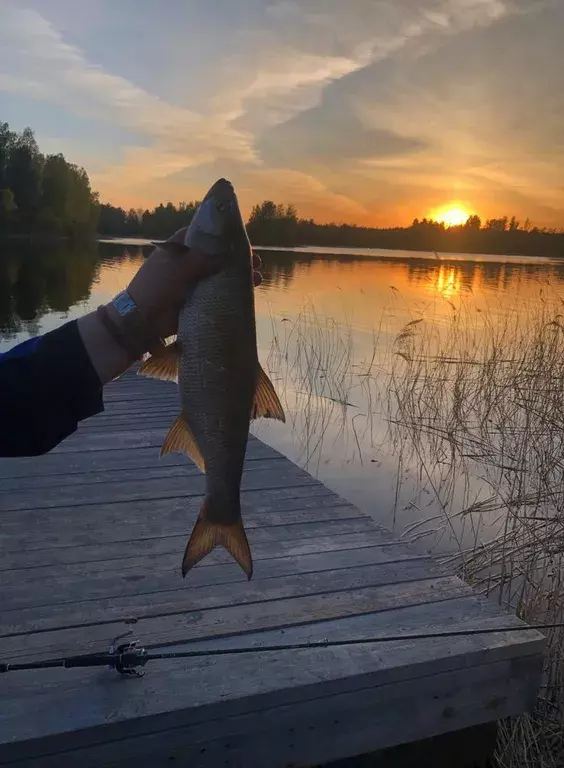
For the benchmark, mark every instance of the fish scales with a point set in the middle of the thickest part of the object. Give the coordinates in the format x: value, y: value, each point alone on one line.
x: 218, y: 375
x: 222, y: 384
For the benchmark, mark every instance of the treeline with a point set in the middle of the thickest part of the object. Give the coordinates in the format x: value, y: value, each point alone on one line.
x: 45, y: 194
x: 272, y: 224
x: 159, y: 223
x: 42, y: 193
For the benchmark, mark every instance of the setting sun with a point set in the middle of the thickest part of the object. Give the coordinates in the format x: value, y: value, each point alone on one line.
x: 451, y: 215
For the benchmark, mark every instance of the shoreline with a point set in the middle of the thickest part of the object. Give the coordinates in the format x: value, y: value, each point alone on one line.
x: 313, y: 251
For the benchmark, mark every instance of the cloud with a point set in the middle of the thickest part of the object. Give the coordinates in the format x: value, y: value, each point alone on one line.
x: 36, y: 61
x: 305, y: 191
x: 275, y: 74
x: 331, y: 135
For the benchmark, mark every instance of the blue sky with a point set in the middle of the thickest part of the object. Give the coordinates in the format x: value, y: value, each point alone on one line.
x: 374, y: 111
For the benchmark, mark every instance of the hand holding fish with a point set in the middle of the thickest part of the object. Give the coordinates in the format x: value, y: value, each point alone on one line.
x: 159, y: 289
x: 165, y: 279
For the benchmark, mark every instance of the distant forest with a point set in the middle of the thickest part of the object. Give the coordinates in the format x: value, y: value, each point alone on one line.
x: 279, y: 225
x: 47, y: 195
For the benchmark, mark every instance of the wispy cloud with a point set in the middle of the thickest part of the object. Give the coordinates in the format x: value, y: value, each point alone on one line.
x: 284, y: 62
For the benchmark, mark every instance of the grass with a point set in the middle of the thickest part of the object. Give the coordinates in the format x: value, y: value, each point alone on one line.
x: 310, y: 362
x: 479, y: 403
x: 474, y: 402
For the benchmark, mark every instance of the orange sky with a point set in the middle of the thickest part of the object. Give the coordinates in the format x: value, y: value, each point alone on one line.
x: 374, y: 113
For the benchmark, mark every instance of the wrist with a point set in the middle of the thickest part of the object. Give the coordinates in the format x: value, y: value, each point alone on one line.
x: 108, y: 357
x: 112, y: 321
x: 129, y: 325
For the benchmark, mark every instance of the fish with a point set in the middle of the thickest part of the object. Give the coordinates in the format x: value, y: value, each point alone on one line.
x: 222, y: 384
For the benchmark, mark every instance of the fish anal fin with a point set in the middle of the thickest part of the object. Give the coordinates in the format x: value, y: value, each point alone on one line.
x: 180, y: 439
x: 207, y: 535
x: 163, y: 365
x: 266, y: 403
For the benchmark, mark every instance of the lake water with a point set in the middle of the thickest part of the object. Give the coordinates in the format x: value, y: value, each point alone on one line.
x: 327, y: 327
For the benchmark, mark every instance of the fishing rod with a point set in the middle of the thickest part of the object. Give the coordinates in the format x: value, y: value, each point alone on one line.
x: 128, y: 658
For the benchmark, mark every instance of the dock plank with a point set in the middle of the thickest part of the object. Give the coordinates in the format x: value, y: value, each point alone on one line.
x: 50, y: 610
x: 327, y: 521
x: 199, y: 691
x: 115, y: 459
x: 92, y: 536
x: 284, y: 477
x: 138, y: 471
x: 241, y: 619
x: 161, y: 555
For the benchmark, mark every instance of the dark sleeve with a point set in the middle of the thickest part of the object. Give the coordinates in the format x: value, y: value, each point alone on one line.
x: 45, y: 392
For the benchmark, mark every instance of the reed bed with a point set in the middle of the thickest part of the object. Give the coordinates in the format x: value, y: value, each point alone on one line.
x: 479, y: 405
x: 473, y: 403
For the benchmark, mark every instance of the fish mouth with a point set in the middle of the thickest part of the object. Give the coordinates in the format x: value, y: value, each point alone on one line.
x: 220, y: 209
x: 222, y: 191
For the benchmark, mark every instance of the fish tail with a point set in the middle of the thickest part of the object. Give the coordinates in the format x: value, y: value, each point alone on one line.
x: 207, y: 535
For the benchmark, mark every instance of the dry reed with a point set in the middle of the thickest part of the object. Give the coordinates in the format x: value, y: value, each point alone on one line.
x: 474, y: 401
x: 479, y: 404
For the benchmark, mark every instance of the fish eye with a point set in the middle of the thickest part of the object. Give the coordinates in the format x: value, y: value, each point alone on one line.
x: 221, y: 207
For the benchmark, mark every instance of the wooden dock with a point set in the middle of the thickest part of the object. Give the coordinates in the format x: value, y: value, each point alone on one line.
x: 92, y: 536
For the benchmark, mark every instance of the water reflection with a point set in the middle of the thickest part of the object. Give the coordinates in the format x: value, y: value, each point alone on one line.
x: 327, y: 325
x: 37, y: 281
x: 41, y: 284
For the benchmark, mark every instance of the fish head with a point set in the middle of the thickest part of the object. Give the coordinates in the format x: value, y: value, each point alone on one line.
x: 217, y: 226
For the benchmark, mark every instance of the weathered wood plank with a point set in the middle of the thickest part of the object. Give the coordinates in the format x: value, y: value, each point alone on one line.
x: 184, y: 692
x: 111, y: 586
x: 116, y: 459
x: 240, y: 619
x: 347, y: 724
x: 47, y: 533
x: 130, y: 397
x: 114, y: 582
x: 136, y: 423
x: 469, y: 612
x: 304, y: 733
x: 55, y: 609
x: 134, y: 409
x: 154, y: 471
x: 146, y: 386
x: 119, y: 400
x: 134, y: 521
x: 103, y: 442
x: 158, y: 546
x: 259, y: 499
x: 150, y: 555
x: 460, y: 613
x: 301, y: 497
x: 281, y: 475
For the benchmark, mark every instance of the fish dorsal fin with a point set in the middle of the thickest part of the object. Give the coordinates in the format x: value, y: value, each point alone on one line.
x: 163, y: 365
x: 266, y: 403
x: 181, y: 440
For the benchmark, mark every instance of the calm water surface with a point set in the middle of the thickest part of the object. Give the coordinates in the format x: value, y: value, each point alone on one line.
x: 327, y: 323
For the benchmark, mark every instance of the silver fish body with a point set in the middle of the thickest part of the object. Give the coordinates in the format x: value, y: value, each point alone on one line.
x: 222, y: 385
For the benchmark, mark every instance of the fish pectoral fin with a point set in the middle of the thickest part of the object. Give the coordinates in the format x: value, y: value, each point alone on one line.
x: 181, y: 440
x: 266, y: 403
x: 206, y: 536
x: 163, y: 365
x: 173, y: 246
